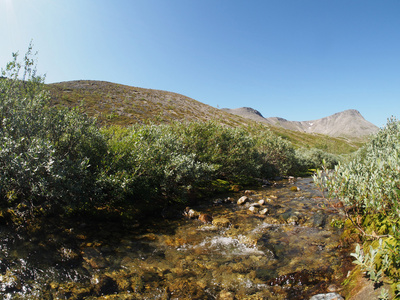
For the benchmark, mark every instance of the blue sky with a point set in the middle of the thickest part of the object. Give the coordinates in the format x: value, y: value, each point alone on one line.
x: 299, y: 59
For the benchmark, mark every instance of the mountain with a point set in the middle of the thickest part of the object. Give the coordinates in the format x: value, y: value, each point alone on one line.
x: 349, y: 123
x: 117, y: 104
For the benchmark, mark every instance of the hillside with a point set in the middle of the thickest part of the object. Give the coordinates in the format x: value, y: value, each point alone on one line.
x: 118, y: 104
x: 348, y: 124
x: 124, y: 105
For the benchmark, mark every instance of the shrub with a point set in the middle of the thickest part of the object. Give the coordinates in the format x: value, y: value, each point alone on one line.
x: 306, y: 159
x: 369, y: 187
x: 48, y: 156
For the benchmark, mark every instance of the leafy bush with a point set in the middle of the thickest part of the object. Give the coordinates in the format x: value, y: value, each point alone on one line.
x: 307, y: 159
x: 48, y: 156
x: 369, y: 187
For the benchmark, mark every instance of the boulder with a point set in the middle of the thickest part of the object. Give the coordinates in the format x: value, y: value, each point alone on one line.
x: 242, y: 200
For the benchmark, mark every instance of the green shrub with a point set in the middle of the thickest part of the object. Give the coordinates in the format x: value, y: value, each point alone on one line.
x: 48, y: 156
x: 369, y: 187
x: 307, y: 159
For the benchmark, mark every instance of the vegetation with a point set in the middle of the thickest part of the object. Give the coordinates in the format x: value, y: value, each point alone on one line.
x: 116, y: 104
x: 368, y: 186
x: 55, y: 159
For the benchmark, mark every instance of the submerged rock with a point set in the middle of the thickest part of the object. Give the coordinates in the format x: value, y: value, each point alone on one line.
x: 94, y: 258
x: 105, y: 285
x: 226, y: 295
x: 221, y: 222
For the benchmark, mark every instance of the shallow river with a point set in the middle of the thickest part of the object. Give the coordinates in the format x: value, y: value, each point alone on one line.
x: 291, y: 252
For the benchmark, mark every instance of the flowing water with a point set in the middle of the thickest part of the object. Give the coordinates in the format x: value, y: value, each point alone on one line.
x: 291, y: 252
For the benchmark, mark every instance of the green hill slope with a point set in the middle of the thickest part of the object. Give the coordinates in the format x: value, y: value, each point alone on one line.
x: 123, y: 105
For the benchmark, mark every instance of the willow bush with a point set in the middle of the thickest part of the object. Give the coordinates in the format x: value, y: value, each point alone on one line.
x: 48, y: 156
x: 368, y: 185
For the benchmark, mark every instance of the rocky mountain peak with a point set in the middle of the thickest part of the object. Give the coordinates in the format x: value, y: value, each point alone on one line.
x: 349, y: 123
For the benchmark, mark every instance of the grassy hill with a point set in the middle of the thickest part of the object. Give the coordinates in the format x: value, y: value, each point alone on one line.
x: 123, y: 105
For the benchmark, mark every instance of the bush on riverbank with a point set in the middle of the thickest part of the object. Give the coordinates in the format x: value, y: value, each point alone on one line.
x: 55, y: 159
x: 369, y: 187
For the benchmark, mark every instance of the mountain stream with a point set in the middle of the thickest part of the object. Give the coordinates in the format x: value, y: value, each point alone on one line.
x: 291, y: 252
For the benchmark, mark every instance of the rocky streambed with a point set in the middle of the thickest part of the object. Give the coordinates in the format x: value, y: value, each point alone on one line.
x: 277, y: 244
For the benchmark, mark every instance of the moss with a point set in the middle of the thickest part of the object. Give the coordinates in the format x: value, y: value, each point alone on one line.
x: 353, y: 283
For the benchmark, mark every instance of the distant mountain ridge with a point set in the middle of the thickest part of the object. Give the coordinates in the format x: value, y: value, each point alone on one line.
x: 117, y: 104
x: 349, y: 123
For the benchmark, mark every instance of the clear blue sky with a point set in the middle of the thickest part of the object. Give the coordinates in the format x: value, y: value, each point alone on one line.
x: 300, y: 59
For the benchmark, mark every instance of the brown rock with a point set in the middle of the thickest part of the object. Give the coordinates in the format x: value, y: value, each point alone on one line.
x: 205, y: 218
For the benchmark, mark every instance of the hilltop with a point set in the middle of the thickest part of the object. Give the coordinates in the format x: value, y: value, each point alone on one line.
x: 117, y: 104
x: 348, y: 124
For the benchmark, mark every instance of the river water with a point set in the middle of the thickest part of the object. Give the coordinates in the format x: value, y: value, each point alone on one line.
x: 292, y: 252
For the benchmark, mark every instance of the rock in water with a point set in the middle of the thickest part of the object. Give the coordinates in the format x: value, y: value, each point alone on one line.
x: 243, y: 200
x: 221, y: 222
x: 329, y: 296
x: 205, y: 218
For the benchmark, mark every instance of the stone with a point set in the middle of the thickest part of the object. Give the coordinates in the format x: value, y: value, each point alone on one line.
x: 229, y: 200
x: 248, y: 192
x: 261, y: 202
x: 329, y: 296
x: 191, y: 213
x: 271, y: 220
x: 226, y: 295
x: 293, y: 220
x: 242, y: 200
x: 294, y: 189
x: 218, y: 201
x: 263, y: 211
x: 205, y: 218
x: 221, y: 222
x: 333, y: 288
x: 253, y: 209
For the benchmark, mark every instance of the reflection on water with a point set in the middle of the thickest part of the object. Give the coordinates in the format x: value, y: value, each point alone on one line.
x: 291, y: 252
